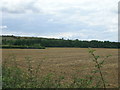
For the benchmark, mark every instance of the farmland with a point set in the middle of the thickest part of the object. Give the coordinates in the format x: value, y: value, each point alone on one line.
x: 66, y: 62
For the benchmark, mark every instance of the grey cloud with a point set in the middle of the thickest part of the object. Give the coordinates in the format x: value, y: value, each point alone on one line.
x: 16, y: 11
x: 20, y: 8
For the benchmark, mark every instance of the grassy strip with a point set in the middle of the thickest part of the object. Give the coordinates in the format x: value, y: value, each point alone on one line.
x: 21, y: 47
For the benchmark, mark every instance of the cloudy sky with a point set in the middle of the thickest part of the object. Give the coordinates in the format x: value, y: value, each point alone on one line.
x: 69, y: 19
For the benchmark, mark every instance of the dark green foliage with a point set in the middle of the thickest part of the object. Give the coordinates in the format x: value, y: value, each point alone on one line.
x: 35, y: 42
x: 12, y: 77
x: 98, y: 65
x: 23, y: 47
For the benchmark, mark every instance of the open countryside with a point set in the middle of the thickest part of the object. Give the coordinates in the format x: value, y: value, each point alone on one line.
x: 60, y: 44
x: 67, y: 62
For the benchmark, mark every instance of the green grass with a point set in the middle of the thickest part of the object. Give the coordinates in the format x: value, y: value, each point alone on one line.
x: 22, y: 47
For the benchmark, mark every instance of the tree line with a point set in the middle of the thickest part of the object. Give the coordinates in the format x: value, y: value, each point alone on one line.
x: 37, y: 42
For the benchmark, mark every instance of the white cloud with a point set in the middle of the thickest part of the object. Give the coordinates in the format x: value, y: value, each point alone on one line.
x: 3, y: 27
x: 66, y: 35
x: 18, y: 33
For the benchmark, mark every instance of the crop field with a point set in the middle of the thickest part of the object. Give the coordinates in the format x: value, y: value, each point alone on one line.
x: 66, y: 62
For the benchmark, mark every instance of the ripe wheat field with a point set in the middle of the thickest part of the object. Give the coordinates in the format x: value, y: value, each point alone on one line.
x: 67, y: 61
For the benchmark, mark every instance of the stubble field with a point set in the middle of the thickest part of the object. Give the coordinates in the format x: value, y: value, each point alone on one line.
x: 67, y: 61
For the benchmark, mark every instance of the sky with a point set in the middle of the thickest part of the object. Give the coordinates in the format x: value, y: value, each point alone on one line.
x: 68, y: 19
